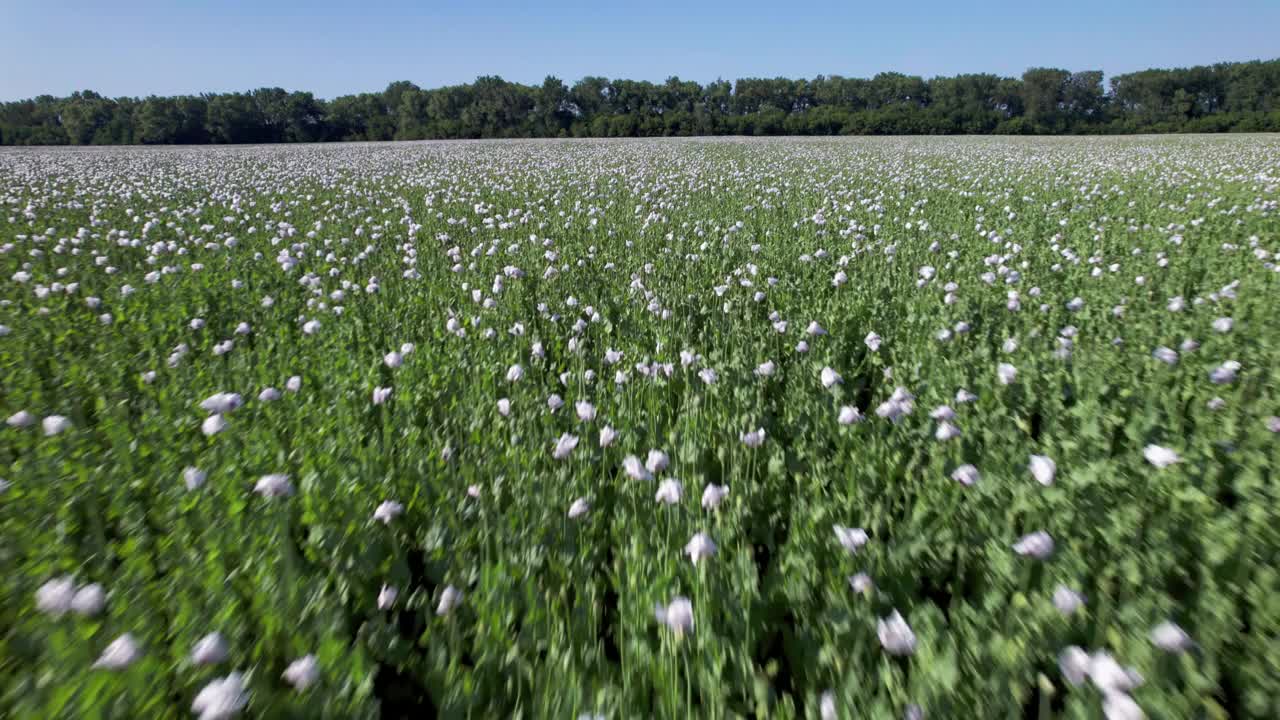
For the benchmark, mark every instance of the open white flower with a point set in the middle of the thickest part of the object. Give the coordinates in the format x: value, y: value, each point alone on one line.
x: 1038, y: 545
x: 965, y: 475
x: 1043, y: 469
x: 850, y: 538
x: 564, y: 445
x: 213, y: 425
x: 449, y: 599
x: 657, y: 461
x: 677, y: 615
x: 209, y: 650
x: 713, y: 495
x: 55, y: 425
x: 387, y: 511
x: 274, y: 485
x: 302, y: 673
x: 1169, y: 637
x: 1161, y: 457
x: 120, y: 654
x: 699, y: 547
x: 387, y: 597
x: 579, y: 508
x: 54, y: 597
x: 669, y: 491
x: 221, y: 699
x: 895, y: 635
x: 830, y: 377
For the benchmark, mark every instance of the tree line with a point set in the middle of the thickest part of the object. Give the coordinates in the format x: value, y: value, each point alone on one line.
x: 1238, y: 97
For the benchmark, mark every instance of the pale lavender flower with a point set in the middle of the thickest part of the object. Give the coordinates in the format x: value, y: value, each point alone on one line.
x: 635, y: 469
x: 713, y: 495
x: 1074, y: 664
x: 1120, y: 706
x: 579, y: 508
x: 699, y: 547
x: 54, y: 596
x: 669, y: 491
x: 380, y: 395
x: 895, y: 635
x: 274, y: 485
x: 1066, y: 600
x: 387, y: 511
x: 873, y: 342
x: 607, y: 436
x: 564, y: 445
x: 966, y: 475
x: 830, y: 377
x: 504, y: 407
x: 946, y: 431
x: 302, y: 673
x: 753, y: 439
x: 1038, y: 545
x: 209, y: 650
x: 850, y: 538
x: 827, y: 706
x: 849, y: 415
x: 1043, y: 469
x: 387, y: 597
x: 89, y: 600
x: 1006, y: 373
x: 765, y: 369
x: 1169, y: 637
x: 21, y: 419
x: 677, y: 615
x: 120, y: 654
x: 269, y: 395
x: 586, y: 411
x: 861, y: 583
x: 1161, y: 457
x: 1224, y: 373
x: 222, y: 698
x: 193, y: 477
x: 515, y: 373
x: 55, y: 425
x: 213, y: 425
x: 293, y: 384
x: 393, y: 359
x: 656, y: 461
x: 449, y: 599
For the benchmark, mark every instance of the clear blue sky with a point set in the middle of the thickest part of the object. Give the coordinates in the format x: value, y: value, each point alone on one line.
x: 188, y: 46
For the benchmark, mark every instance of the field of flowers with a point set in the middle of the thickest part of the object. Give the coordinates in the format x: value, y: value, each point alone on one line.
x: 883, y: 428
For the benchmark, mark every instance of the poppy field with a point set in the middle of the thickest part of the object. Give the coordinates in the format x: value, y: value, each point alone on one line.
x: 777, y: 428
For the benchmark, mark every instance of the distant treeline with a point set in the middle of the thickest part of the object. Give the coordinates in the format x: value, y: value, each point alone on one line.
x: 1239, y: 97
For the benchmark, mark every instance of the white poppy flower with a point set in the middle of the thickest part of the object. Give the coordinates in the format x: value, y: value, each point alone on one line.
x: 302, y: 673
x: 1043, y: 469
x: 677, y: 615
x: 699, y: 547
x: 120, y: 654
x: 209, y: 650
x: 669, y: 491
x: 221, y: 699
x: 387, y: 511
x: 895, y: 635
x: 713, y: 495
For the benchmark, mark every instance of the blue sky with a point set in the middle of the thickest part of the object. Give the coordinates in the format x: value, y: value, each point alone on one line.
x: 190, y: 46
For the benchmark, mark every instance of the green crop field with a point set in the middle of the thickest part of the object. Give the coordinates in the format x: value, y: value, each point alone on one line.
x: 857, y: 428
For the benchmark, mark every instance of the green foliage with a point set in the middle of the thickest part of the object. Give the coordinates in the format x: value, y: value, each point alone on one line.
x: 649, y: 248
x: 1240, y: 97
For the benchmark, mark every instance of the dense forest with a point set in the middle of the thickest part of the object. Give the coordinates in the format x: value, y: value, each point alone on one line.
x: 1241, y: 97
